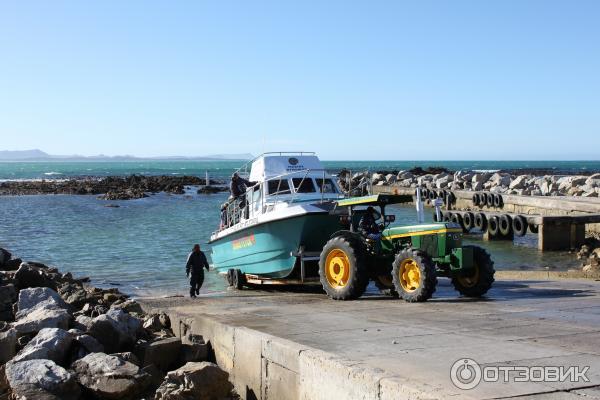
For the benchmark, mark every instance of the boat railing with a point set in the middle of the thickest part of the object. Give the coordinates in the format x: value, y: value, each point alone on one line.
x: 238, y: 209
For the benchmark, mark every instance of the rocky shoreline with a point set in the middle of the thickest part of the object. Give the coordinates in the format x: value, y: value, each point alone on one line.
x: 61, y: 338
x: 528, y: 184
x: 111, y: 187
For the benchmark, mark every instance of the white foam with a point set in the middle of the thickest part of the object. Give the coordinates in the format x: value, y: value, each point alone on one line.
x: 52, y: 173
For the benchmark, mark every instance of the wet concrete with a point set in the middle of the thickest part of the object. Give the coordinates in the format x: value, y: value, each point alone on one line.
x: 401, y: 350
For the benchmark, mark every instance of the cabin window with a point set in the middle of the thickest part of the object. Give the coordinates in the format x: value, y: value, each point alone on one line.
x: 279, y: 186
x: 325, y: 185
x: 303, y: 185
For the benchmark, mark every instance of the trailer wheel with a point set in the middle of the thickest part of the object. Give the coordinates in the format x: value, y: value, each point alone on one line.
x: 239, y: 279
x: 385, y: 284
x: 343, y: 268
x: 230, y: 273
x: 480, y: 280
x: 414, y: 275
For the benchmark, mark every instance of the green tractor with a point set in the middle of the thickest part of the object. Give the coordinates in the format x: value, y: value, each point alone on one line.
x: 407, y: 260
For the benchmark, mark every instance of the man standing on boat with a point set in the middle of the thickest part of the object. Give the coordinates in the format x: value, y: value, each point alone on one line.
x: 238, y: 187
x: 194, y: 268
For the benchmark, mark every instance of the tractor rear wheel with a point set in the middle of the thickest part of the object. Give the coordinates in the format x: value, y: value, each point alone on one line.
x: 385, y: 284
x: 414, y: 275
x: 343, y: 268
x: 480, y: 280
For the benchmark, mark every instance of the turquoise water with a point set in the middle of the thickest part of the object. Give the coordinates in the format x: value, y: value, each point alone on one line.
x: 142, y: 246
x: 222, y: 169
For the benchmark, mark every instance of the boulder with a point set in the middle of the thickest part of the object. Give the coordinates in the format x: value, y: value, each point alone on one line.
x: 30, y: 276
x: 8, y: 296
x: 390, y: 178
x: 49, y: 344
x: 405, y: 175
x: 75, y: 294
x: 519, y: 182
x: 5, y: 256
x: 152, y: 323
x: 32, y: 298
x: 129, y: 357
x: 476, y: 186
x: 40, y: 318
x: 129, y: 306
x: 89, y: 343
x: 109, y: 377
x: 163, y: 353
x: 193, y: 352
x: 498, y: 179
x: 8, y: 345
x: 116, y: 330
x: 41, y: 380
x: 593, y: 180
x: 83, y: 323
x: 195, y: 380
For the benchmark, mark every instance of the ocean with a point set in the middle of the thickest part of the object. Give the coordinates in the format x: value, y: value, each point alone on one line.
x: 141, y: 247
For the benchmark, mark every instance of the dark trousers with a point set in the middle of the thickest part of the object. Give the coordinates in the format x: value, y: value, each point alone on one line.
x: 196, y: 281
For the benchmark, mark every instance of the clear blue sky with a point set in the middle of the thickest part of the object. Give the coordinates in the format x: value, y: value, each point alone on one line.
x: 350, y: 80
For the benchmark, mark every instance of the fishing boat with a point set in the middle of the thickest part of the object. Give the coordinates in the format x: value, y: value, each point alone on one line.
x: 281, y: 221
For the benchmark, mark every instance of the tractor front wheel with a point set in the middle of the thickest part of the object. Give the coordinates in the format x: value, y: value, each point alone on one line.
x: 414, y: 275
x: 342, y: 268
x: 480, y: 279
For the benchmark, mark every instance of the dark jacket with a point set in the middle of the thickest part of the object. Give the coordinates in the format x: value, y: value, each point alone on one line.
x: 238, y: 186
x: 195, y: 263
x: 367, y: 225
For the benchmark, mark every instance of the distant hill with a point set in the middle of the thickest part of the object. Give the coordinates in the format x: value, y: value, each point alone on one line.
x: 38, y: 155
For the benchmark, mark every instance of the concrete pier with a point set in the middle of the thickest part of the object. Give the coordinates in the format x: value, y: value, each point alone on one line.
x: 281, y: 344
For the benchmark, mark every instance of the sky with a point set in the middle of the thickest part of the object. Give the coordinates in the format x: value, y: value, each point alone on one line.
x: 373, y: 80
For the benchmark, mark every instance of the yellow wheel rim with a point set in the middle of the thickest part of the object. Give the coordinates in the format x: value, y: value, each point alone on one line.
x: 470, y: 281
x: 337, y: 268
x: 410, y: 275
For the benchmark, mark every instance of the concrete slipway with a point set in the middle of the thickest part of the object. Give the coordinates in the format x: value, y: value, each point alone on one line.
x: 301, y: 345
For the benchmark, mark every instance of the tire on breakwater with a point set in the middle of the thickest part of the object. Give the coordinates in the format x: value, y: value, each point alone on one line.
x: 475, y: 199
x: 482, y: 199
x: 457, y: 219
x: 493, y: 226
x: 446, y: 216
x: 498, y: 201
x: 533, y: 228
x: 468, y: 221
x: 481, y: 221
x: 519, y: 224
x: 490, y: 199
x: 505, y: 225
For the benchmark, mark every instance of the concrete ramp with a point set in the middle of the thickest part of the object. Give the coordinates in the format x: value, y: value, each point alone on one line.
x: 300, y: 345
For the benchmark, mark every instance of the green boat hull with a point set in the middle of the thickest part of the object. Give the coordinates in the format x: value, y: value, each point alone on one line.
x: 267, y: 249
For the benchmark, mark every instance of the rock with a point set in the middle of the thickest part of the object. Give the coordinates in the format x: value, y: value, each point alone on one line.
x: 12, y: 264
x: 152, y: 323
x: 480, y: 177
x: 375, y: 178
x: 590, y: 194
x: 476, y: 186
x: 129, y: 306
x: 41, y: 380
x: 165, y: 321
x: 390, y: 178
x: 156, y: 375
x: 405, y: 175
x: 109, y: 377
x: 74, y: 294
x: 193, y: 352
x: 129, y: 357
x: 163, y: 353
x: 8, y: 345
x: 32, y: 298
x: 89, y: 343
x: 40, y: 318
x: 83, y: 323
x: 116, y: 330
x: 8, y: 296
x: 5, y: 256
x: 519, y: 182
x: 30, y: 276
x: 49, y: 344
x: 593, y: 180
x: 498, y: 179
x: 202, y: 380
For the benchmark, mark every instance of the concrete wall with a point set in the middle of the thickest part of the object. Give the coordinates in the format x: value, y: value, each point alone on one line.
x: 265, y: 367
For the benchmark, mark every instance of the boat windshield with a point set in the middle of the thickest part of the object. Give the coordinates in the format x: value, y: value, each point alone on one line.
x: 303, y: 185
x: 279, y: 186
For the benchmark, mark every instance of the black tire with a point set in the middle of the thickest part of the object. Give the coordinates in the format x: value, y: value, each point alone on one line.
x: 350, y: 268
x: 435, y: 219
x: 533, y: 228
x: 498, y: 202
x: 426, y: 281
x: 238, y: 279
x: 482, y: 199
x: 451, y: 199
x: 424, y: 194
x: 490, y: 199
x: 230, y: 276
x: 385, y: 284
x: 475, y: 199
x: 457, y: 219
x: 468, y: 221
x: 447, y: 216
x: 519, y: 225
x: 480, y: 281
x: 505, y: 225
x: 432, y: 194
x: 493, y: 226
x: 481, y: 221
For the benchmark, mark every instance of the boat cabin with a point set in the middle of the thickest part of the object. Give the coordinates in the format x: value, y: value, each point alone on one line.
x: 281, y: 180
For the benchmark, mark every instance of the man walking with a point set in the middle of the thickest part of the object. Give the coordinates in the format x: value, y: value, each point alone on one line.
x: 194, y: 268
